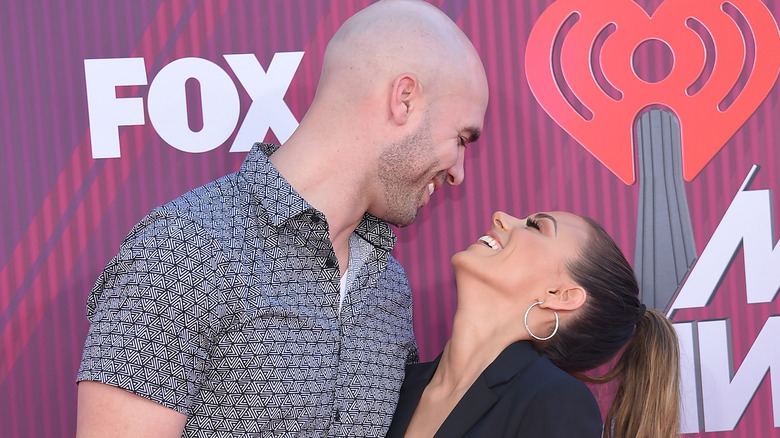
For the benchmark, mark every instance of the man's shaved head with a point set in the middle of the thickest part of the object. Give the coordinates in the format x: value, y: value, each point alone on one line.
x: 393, y: 37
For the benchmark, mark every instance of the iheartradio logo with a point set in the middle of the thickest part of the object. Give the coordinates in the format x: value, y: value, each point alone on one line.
x: 581, y: 66
x: 713, y: 64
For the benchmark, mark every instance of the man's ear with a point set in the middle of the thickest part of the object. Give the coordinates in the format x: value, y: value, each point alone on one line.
x: 568, y: 298
x: 406, y: 89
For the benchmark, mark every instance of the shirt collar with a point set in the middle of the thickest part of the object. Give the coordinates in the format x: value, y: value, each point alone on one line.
x: 282, y: 202
x: 268, y: 186
x: 376, y: 232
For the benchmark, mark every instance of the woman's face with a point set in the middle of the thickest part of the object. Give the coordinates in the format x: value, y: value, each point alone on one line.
x: 528, y: 254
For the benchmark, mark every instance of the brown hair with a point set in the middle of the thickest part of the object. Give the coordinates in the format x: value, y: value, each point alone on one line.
x: 647, y: 400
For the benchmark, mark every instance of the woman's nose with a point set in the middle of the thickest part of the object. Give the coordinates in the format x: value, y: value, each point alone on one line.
x: 501, y: 220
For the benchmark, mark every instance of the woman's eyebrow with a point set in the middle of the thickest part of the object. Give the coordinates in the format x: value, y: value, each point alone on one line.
x: 547, y: 216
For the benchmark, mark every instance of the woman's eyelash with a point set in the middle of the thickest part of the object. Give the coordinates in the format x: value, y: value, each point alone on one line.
x: 532, y: 224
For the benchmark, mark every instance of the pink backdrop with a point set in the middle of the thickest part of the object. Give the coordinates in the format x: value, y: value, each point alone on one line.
x: 65, y: 210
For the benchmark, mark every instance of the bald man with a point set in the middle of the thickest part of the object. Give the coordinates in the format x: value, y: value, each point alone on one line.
x: 266, y: 303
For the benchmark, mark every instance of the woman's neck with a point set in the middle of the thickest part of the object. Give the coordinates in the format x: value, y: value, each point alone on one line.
x: 475, y: 342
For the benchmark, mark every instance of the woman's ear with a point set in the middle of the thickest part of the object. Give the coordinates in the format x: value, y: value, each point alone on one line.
x: 406, y: 90
x: 568, y: 298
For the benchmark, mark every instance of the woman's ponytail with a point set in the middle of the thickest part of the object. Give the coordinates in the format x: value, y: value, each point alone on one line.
x: 647, y: 401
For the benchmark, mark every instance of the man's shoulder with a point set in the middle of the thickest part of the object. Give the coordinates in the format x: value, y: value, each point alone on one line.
x: 209, y: 201
x: 396, y: 271
x: 223, y: 196
x: 210, y: 197
x: 202, y: 211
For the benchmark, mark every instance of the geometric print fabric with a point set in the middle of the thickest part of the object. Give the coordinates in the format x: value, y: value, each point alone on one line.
x: 223, y: 305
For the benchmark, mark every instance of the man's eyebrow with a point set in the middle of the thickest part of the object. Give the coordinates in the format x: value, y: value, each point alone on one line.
x: 547, y: 216
x: 473, y: 134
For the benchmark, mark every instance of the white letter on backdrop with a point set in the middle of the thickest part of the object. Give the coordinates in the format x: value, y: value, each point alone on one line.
x: 107, y: 112
x: 168, y: 104
x: 267, y: 89
x: 726, y: 392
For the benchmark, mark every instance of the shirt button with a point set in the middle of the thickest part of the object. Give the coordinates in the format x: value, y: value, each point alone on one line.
x: 337, y: 417
x: 314, y: 218
x: 330, y: 263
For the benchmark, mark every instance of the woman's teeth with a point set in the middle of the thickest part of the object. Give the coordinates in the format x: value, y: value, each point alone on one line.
x: 491, y: 242
x: 431, y: 188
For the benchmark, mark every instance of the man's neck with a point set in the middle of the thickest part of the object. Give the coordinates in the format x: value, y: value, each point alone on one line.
x: 331, y: 184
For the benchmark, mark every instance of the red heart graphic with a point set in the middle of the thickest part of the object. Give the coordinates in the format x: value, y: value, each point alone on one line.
x: 608, y: 134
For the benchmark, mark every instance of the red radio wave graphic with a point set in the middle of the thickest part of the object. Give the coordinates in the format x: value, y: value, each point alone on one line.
x: 580, y: 67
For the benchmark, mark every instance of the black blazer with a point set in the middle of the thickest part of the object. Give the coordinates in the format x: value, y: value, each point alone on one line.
x: 520, y: 394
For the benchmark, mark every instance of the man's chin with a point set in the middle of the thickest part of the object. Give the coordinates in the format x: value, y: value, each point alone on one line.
x: 401, y: 224
x: 403, y: 221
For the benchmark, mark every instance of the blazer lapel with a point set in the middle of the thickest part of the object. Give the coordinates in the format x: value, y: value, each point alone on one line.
x: 411, y: 392
x: 469, y: 410
x: 483, y: 394
x: 487, y: 389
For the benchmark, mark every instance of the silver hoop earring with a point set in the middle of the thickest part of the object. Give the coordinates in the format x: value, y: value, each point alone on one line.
x: 525, y: 321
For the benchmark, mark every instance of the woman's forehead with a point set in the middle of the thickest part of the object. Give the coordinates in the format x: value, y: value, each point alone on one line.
x: 569, y: 225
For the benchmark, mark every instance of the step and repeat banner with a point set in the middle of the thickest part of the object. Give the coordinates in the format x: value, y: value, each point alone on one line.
x: 659, y: 119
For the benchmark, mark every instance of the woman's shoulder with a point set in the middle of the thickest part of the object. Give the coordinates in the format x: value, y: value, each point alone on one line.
x: 521, y: 366
x: 535, y: 398
x: 554, y: 401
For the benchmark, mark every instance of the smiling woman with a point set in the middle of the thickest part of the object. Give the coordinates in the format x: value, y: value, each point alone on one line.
x: 540, y: 301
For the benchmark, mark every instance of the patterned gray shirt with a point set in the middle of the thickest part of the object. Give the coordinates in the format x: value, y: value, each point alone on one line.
x: 224, y: 305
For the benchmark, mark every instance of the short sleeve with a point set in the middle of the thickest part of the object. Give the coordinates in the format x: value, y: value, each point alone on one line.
x: 153, y: 311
